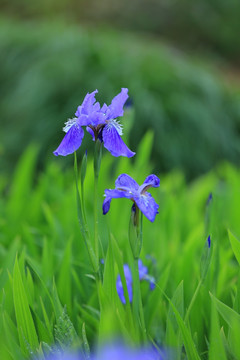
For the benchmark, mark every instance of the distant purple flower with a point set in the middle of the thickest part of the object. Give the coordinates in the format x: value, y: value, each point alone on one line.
x: 127, y: 187
x: 64, y: 356
x: 143, y: 275
x: 101, y: 123
x: 115, y: 352
x: 119, y: 352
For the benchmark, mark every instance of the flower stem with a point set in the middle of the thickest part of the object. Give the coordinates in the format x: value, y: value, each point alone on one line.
x: 82, y: 222
x: 96, y: 217
x: 97, y: 164
x: 136, y: 246
x: 137, y: 301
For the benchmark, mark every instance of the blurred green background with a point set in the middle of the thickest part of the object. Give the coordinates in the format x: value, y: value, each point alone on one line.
x: 179, y: 59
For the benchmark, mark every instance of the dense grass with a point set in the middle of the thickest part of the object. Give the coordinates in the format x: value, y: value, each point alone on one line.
x: 48, y: 293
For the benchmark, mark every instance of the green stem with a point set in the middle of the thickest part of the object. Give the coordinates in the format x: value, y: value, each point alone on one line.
x: 82, y: 222
x: 96, y: 245
x: 137, y: 302
x: 137, y: 298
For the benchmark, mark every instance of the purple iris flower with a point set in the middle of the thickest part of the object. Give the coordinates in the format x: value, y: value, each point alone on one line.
x: 143, y: 275
x: 101, y: 123
x: 127, y: 187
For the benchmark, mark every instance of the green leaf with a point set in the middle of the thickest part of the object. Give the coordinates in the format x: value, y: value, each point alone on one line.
x: 177, y: 300
x: 235, y: 243
x: 109, y: 281
x: 206, y: 258
x: 216, y: 348
x: 64, y: 280
x: 186, y: 335
x: 26, y: 329
x: 85, y: 342
x: 11, y: 335
x: 228, y: 314
x: 21, y: 183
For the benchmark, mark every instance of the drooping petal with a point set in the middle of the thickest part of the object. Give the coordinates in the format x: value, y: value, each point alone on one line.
x: 116, y: 108
x: 114, y: 143
x: 113, y: 194
x: 147, y: 205
x: 127, y: 183
x: 150, y: 181
x: 71, y: 141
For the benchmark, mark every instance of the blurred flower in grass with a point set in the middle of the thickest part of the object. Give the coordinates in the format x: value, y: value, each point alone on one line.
x: 127, y: 187
x: 115, y: 352
x: 143, y: 275
x: 101, y: 123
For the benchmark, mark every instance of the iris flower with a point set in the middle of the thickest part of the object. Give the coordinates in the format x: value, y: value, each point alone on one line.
x: 127, y: 187
x: 101, y: 123
x: 143, y: 275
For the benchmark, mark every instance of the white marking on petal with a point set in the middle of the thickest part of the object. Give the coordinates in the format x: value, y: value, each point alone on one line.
x: 69, y: 124
x: 116, y: 124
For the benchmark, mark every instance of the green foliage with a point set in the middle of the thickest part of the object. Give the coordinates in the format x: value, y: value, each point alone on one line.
x: 47, y: 68
x: 202, y: 24
x: 49, y: 297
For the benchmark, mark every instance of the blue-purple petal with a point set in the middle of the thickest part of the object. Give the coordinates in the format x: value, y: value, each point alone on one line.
x: 71, y: 141
x: 113, y: 194
x: 150, y: 181
x: 106, y: 205
x: 147, y: 205
x: 116, y: 108
x: 114, y: 143
x: 143, y: 270
x: 87, y: 105
x: 127, y: 183
x: 119, y: 285
x: 91, y: 132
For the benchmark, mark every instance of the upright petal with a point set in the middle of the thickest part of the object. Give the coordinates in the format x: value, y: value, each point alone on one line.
x: 126, y: 182
x: 116, y: 107
x: 150, y: 181
x: 87, y: 105
x: 114, y: 143
x: 147, y: 205
x: 71, y: 141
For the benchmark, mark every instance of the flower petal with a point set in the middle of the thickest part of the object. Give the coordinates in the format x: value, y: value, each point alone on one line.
x: 127, y: 183
x: 114, y: 143
x: 119, y: 285
x: 113, y: 194
x: 90, y: 131
x: 116, y: 107
x: 143, y: 270
x: 147, y: 205
x: 87, y: 105
x: 150, y: 181
x: 71, y: 141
